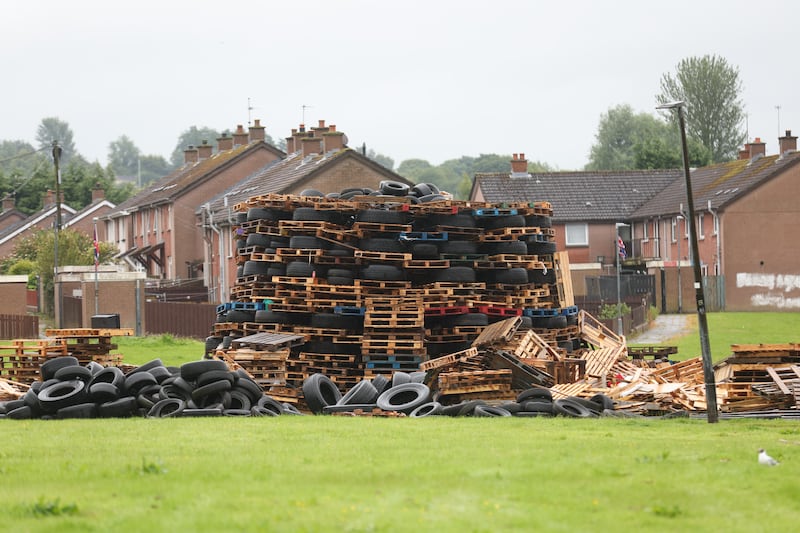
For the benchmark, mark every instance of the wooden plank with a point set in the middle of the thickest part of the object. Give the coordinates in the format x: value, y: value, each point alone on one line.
x: 566, y: 297
x: 778, y: 381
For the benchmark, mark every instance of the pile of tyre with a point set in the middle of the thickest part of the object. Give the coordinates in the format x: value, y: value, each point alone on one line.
x: 407, y: 393
x: 195, y: 389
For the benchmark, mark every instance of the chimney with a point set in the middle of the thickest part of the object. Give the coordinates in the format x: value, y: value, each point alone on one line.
x: 48, y: 198
x: 8, y: 203
x: 257, y: 131
x: 239, y: 136
x: 333, y: 140
x: 744, y: 153
x: 519, y: 165
x: 757, y: 148
x: 190, y: 155
x: 311, y: 146
x: 320, y: 130
x: 224, y: 142
x: 205, y: 150
x: 290, y: 144
x: 787, y: 143
x: 98, y: 193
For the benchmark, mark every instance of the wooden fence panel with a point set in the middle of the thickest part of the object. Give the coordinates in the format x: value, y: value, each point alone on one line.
x: 195, y: 320
x: 19, y: 327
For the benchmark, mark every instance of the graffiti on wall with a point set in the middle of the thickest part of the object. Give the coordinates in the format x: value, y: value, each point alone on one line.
x: 780, y: 290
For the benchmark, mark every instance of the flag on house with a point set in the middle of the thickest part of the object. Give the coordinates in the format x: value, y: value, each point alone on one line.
x: 96, y: 249
x: 621, y: 248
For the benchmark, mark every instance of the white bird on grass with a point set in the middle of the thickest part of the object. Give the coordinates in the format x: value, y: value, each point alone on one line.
x: 765, y: 459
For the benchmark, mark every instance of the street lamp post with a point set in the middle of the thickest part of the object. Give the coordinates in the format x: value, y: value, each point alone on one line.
x: 680, y: 285
x: 619, y: 250
x: 702, y: 322
x: 57, y: 297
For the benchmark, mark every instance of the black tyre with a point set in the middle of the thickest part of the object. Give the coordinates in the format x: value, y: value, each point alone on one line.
x: 468, y: 319
x: 424, y: 250
x: 249, y: 387
x: 400, y: 378
x: 300, y: 269
x: 459, y: 247
x: 602, y: 401
x: 538, y: 221
x: 122, y: 408
x: 509, y: 221
x: 262, y: 411
x: 73, y: 372
x: 431, y: 198
x: 380, y: 383
x: 535, y: 394
x: 511, y: 276
x: 309, y: 213
x: 490, y: 411
x: 257, y: 239
x: 271, y: 405
x: 569, y: 407
x: 426, y: 409
x: 383, y: 273
x: 81, y: 410
x: 62, y: 394
x: 337, y: 321
x: 190, y: 371
x: 201, y: 412
x: 311, y: 192
x: 404, y: 398
x: 556, y: 322
x: 103, y: 392
x: 214, y: 388
x: 393, y: 188
x: 506, y: 247
x: 458, y: 274
x: 460, y: 220
x: 305, y: 242
x: 537, y: 406
x: 23, y: 412
x: 319, y: 391
x: 265, y: 316
x: 240, y: 316
x: 213, y: 342
x: 380, y: 244
x: 255, y: 268
x: 541, y: 248
x: 134, y: 383
x: 214, y: 375
x: 381, y: 216
x: 51, y: 366
x: 169, y: 408
x: 362, y: 392
x: 236, y: 412
x: 424, y: 189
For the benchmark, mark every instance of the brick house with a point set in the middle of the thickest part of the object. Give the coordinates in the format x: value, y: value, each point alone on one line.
x: 45, y: 218
x: 586, y: 207
x: 10, y: 215
x: 156, y: 231
x: 747, y: 215
x: 317, y: 159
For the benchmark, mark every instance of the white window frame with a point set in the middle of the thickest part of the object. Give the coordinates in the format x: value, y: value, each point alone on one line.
x: 701, y: 234
x: 716, y: 225
x: 576, y: 226
x: 674, y: 229
x: 644, y: 232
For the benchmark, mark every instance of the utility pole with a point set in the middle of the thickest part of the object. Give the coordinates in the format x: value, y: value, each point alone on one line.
x: 56, y: 284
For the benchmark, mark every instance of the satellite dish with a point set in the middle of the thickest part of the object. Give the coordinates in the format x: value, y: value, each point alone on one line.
x: 345, y: 140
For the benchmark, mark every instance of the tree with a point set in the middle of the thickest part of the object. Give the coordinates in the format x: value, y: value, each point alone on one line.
x: 193, y: 136
x: 711, y: 88
x: 620, y: 129
x: 665, y: 152
x: 74, y: 248
x: 153, y: 168
x: 53, y: 129
x: 383, y: 160
x: 123, y: 156
x: 412, y: 168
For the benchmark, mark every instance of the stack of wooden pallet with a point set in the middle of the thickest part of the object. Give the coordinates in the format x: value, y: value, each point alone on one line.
x: 21, y: 359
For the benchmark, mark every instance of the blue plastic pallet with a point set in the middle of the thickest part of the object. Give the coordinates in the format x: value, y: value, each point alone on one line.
x: 378, y: 365
x: 569, y: 311
x: 540, y: 312
x: 349, y: 310
x: 423, y: 236
x: 494, y: 212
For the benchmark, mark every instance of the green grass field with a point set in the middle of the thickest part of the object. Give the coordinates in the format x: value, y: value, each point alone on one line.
x: 349, y: 474
x: 433, y: 474
x: 725, y: 329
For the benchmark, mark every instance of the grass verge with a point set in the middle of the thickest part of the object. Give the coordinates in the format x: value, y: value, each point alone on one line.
x: 349, y: 474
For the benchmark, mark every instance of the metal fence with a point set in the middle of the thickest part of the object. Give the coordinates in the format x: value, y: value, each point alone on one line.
x: 181, y: 319
x: 19, y: 327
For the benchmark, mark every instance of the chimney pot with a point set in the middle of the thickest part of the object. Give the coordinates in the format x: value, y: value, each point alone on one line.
x: 332, y: 128
x: 321, y: 123
x: 257, y: 131
x: 757, y: 148
x: 240, y: 136
x: 519, y: 166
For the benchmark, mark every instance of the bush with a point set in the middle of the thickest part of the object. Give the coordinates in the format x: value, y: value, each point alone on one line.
x: 612, y: 311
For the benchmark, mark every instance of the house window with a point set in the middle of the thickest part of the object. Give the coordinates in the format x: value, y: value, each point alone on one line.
x: 674, y: 230
x: 577, y: 234
x: 701, y: 234
x: 644, y: 232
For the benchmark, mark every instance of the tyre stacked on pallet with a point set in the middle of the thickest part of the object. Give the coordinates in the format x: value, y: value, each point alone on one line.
x: 379, y: 284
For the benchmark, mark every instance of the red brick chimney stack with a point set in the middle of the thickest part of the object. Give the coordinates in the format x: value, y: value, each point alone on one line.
x: 787, y: 143
x: 205, y: 150
x: 257, y: 131
x: 332, y: 139
x: 9, y: 203
x: 98, y: 193
x: 320, y: 130
x: 757, y: 148
x: 519, y: 165
x: 190, y: 155
x: 311, y: 145
x: 744, y: 153
x: 49, y: 198
x: 240, y: 136
x: 224, y: 142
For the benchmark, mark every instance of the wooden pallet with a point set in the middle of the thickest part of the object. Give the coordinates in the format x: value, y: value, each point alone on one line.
x: 499, y: 332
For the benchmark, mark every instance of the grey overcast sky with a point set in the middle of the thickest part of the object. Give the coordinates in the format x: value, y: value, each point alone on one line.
x: 412, y: 79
